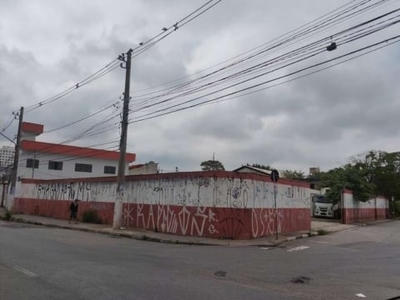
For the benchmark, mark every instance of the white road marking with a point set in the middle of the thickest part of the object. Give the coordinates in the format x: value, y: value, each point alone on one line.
x: 265, y: 248
x: 361, y: 295
x: 319, y: 242
x: 298, y: 249
x: 25, y: 271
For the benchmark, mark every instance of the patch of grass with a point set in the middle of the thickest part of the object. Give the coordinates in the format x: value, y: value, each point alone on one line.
x: 322, y: 232
x: 91, y: 216
x: 8, y: 215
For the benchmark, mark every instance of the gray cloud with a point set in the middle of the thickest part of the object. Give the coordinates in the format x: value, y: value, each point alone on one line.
x: 319, y: 120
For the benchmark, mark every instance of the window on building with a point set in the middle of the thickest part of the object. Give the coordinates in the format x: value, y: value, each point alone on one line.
x: 109, y: 170
x: 83, y: 168
x: 32, y: 163
x: 55, y: 165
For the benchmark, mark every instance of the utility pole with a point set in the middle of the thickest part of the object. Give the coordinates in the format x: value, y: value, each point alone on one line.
x: 274, y: 178
x: 16, y: 154
x: 117, y: 221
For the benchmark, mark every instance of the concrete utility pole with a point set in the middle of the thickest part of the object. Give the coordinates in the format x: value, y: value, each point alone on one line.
x: 16, y: 154
x: 117, y: 221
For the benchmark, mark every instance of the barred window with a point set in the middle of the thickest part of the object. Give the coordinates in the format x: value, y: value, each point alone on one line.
x: 32, y: 163
x: 109, y: 170
x: 55, y: 165
x: 83, y: 168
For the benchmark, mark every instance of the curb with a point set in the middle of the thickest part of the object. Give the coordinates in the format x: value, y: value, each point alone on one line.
x: 140, y: 237
x: 302, y: 236
x: 144, y: 237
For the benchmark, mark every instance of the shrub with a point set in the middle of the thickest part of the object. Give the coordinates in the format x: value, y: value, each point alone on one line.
x: 394, y: 208
x: 8, y: 215
x: 91, y: 216
x: 322, y: 232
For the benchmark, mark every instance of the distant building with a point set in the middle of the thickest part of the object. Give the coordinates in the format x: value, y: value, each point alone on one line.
x: 6, y: 156
x: 148, y: 168
x: 41, y: 160
x: 314, y: 171
x: 314, y: 179
x: 254, y: 170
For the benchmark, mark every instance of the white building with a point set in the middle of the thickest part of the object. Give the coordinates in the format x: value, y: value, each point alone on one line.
x: 40, y: 160
x: 147, y: 168
x: 6, y: 156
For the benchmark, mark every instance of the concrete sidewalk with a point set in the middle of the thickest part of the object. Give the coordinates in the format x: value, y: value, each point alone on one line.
x: 318, y: 227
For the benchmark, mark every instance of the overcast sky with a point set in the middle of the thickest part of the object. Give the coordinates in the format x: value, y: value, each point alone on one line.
x: 47, y: 46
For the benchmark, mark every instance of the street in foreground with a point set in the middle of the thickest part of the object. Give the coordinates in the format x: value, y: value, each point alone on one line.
x: 46, y: 263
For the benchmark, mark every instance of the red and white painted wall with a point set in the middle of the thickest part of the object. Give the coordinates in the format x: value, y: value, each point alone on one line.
x: 354, y: 211
x: 210, y: 204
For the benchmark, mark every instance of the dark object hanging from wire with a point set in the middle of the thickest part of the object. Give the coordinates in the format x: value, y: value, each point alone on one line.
x: 331, y: 47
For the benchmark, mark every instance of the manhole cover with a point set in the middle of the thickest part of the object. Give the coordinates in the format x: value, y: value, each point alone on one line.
x: 220, y: 274
x: 301, y: 279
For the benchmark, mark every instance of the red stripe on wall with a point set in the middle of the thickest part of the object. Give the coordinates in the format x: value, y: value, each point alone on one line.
x: 59, y: 209
x: 231, y: 223
x: 357, y: 215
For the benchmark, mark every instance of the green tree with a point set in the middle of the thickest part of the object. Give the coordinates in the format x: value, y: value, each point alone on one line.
x: 295, y: 175
x: 350, y: 177
x: 264, y: 167
x: 382, y: 171
x: 212, y: 165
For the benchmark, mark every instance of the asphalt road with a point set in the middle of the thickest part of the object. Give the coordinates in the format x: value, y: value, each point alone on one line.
x: 46, y: 263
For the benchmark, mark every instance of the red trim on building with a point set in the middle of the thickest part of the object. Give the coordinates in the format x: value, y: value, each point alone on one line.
x: 32, y: 128
x: 67, y: 150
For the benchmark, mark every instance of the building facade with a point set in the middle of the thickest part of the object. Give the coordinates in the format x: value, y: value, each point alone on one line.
x: 41, y: 160
x: 147, y: 168
x: 6, y: 156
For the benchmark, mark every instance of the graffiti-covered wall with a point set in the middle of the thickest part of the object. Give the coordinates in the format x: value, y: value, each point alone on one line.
x: 212, y: 204
x: 354, y: 211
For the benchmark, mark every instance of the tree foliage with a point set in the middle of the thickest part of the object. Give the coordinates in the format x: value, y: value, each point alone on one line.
x: 212, y: 165
x: 347, y: 177
x: 295, y: 175
x: 375, y: 173
x: 264, y: 167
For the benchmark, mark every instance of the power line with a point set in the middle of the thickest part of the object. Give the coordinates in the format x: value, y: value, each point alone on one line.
x: 305, y: 55
x: 388, y: 42
x: 98, y: 74
x: 144, y: 46
x: 285, y: 38
x: 115, y: 64
x: 207, y: 85
x: 115, y: 105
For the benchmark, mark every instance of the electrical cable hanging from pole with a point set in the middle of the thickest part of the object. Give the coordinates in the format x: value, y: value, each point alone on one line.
x: 256, y: 69
x: 114, y: 64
